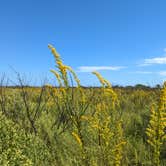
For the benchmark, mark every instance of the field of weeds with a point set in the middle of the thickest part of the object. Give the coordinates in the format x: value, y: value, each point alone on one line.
x: 78, y: 126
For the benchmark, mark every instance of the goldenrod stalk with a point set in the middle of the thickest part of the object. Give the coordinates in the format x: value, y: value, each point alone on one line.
x: 105, y: 125
x: 74, y: 75
x: 157, y: 124
x: 57, y: 76
x: 103, y: 82
x: 62, y: 69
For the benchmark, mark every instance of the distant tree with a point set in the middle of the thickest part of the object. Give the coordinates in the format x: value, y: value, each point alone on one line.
x: 158, y: 86
x: 141, y: 86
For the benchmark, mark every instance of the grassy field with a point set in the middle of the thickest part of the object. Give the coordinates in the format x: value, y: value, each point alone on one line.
x: 70, y: 126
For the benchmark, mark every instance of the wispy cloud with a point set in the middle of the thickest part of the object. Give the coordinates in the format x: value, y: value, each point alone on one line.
x: 157, y: 60
x: 99, y: 68
x: 154, y: 61
x: 144, y: 72
x: 162, y: 73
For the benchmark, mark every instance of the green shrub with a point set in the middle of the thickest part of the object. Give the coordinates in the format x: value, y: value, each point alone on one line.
x: 19, y: 148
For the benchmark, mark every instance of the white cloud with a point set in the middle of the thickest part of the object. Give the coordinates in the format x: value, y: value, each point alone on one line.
x: 98, y: 68
x: 153, y: 61
x: 144, y: 72
x: 162, y: 73
x: 158, y: 60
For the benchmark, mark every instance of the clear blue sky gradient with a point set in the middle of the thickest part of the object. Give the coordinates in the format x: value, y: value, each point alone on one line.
x: 85, y: 33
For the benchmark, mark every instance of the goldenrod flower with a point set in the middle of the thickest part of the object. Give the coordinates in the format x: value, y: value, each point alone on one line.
x: 74, y: 75
x: 54, y: 52
x: 57, y: 76
x: 84, y: 118
x: 77, y: 138
x: 101, y: 79
x: 155, y: 130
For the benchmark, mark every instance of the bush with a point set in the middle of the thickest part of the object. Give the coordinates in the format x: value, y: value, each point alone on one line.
x: 19, y: 148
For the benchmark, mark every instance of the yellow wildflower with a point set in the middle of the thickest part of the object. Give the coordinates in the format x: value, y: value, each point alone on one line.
x: 53, y: 50
x: 77, y: 138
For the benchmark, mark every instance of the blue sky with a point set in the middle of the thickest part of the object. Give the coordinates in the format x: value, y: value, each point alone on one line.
x: 125, y: 40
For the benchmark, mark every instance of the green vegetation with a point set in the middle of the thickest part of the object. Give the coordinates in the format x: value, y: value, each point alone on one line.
x: 76, y: 126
